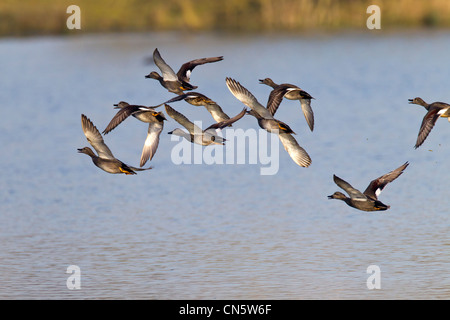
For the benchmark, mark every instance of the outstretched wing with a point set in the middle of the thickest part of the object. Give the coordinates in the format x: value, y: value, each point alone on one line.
x: 216, y: 112
x: 355, y: 194
x: 181, y: 119
x: 151, y: 142
x: 228, y: 122
x: 167, y: 72
x: 94, y: 137
x: 120, y: 116
x: 247, y: 98
x: 428, y: 122
x: 277, y: 95
x: 297, y: 153
x: 376, y: 186
x: 184, y: 73
x: 308, y: 112
x: 275, y: 98
x: 178, y: 98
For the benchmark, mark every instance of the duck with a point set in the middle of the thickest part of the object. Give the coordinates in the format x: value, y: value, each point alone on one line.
x: 434, y: 111
x: 177, y: 82
x: 291, y: 92
x: 104, y: 159
x: 195, y: 134
x: 367, y: 200
x: 155, y: 120
x: 267, y: 122
x: 198, y: 99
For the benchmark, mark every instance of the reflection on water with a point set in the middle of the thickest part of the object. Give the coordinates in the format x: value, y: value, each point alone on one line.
x: 223, y: 231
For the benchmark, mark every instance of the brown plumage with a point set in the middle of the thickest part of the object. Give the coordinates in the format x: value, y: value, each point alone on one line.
x: 368, y: 200
x: 105, y: 160
x: 179, y: 82
x: 291, y: 92
x: 196, y: 134
x: 434, y: 111
x: 155, y: 120
x: 198, y: 99
x: 267, y: 122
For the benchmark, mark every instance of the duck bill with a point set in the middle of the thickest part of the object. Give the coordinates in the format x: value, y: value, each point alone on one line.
x: 220, y: 143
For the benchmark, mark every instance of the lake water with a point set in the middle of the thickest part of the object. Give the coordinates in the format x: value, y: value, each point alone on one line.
x: 224, y: 231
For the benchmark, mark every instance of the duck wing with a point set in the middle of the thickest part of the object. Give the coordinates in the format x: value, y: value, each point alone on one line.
x: 376, y: 186
x: 196, y: 98
x: 297, y: 153
x: 308, y: 112
x: 179, y: 98
x: 181, y: 119
x: 216, y: 112
x: 167, y: 72
x: 193, y: 98
x: 354, y: 194
x: 138, y: 169
x: 228, y: 122
x: 120, y: 116
x: 151, y: 142
x: 247, y: 98
x: 277, y: 95
x: 184, y: 74
x: 275, y: 98
x: 94, y: 137
x: 428, y: 122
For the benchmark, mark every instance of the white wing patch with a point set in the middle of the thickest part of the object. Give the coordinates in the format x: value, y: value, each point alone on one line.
x: 377, y: 192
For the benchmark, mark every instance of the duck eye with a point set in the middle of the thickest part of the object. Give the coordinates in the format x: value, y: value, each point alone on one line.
x: 213, y: 138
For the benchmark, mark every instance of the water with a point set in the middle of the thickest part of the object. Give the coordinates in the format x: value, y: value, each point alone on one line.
x: 224, y: 231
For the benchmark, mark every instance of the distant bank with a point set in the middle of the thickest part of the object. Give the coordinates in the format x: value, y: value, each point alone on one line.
x: 43, y: 17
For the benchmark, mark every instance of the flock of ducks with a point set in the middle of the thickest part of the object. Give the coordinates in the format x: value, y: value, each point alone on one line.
x: 179, y: 84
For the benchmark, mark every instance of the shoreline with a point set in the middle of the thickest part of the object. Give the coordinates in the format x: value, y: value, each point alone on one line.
x: 37, y: 18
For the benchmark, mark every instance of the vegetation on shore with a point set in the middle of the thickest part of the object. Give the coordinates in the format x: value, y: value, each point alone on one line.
x: 37, y: 17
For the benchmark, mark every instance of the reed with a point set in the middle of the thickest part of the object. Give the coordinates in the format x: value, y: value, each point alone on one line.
x: 30, y: 17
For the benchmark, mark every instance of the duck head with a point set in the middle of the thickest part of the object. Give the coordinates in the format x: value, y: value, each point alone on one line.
x: 418, y: 101
x: 153, y: 75
x: 337, y: 195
